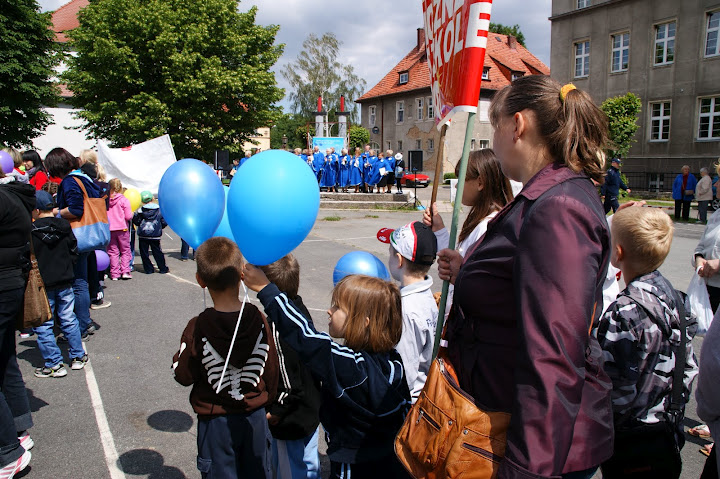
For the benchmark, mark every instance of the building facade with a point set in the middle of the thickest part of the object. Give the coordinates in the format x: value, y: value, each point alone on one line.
x: 665, y: 51
x: 399, y: 112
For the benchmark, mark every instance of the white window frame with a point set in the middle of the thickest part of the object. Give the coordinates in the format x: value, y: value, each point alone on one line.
x: 713, y: 116
x: 484, y: 144
x: 486, y: 73
x: 431, y: 144
x: 583, y: 57
x: 619, y: 52
x: 472, y: 144
x: 583, y: 4
x: 399, y: 111
x: 418, y: 144
x: 712, y: 30
x: 419, y: 107
x: 430, y: 109
x: 659, y: 122
x: 372, y: 114
x: 404, y: 78
x: 667, y: 43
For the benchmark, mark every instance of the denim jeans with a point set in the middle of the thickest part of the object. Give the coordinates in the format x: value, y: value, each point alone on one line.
x: 82, y: 294
x: 185, y: 249
x: 297, y: 459
x: 157, y: 252
x: 14, y: 405
x: 62, y: 302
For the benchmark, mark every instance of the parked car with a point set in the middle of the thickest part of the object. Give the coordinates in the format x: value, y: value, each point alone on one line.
x: 415, y: 179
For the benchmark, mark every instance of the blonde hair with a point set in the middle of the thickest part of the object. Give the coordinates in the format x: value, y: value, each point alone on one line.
x: 645, y: 235
x: 219, y: 263
x: 88, y: 156
x: 115, y: 185
x: 101, y: 175
x: 16, y: 156
x: 365, y: 298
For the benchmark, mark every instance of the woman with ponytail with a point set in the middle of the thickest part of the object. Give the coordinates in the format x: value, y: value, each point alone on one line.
x: 529, y: 292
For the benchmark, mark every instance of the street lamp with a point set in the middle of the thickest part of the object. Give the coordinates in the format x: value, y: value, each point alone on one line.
x: 284, y: 140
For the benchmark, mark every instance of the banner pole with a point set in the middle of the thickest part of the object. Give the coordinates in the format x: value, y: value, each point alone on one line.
x: 453, y: 226
x: 438, y: 166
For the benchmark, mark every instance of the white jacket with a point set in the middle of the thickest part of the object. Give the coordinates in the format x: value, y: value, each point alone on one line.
x: 703, y: 190
x: 709, y: 245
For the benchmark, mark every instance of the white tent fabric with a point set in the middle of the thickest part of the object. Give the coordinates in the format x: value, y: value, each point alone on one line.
x: 138, y: 166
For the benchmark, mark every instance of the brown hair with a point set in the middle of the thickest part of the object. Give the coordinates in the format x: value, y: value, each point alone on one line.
x: 496, y: 192
x: 285, y: 273
x: 16, y: 156
x: 115, y: 185
x: 59, y: 162
x: 574, y: 130
x: 645, y: 235
x: 50, y: 187
x: 219, y: 263
x: 379, y: 301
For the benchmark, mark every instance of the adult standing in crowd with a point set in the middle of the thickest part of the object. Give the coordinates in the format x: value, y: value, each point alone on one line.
x: 610, y: 190
x: 528, y: 294
x: 708, y: 394
x: 70, y: 201
x: 704, y: 194
x: 88, y: 163
x: 684, y: 192
x: 17, y: 200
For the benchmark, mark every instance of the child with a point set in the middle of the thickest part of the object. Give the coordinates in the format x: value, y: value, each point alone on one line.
x: 640, y: 331
x: 119, y: 214
x: 232, y: 435
x: 294, y: 416
x: 412, y: 252
x: 55, y: 248
x: 17, y: 172
x: 150, y: 223
x: 364, y: 392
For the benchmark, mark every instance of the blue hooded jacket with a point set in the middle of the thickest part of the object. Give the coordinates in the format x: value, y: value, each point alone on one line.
x: 150, y: 222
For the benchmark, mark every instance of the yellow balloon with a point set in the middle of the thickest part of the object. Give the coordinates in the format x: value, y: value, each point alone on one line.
x: 134, y: 196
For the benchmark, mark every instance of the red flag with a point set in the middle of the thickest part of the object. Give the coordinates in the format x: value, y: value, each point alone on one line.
x: 455, y: 39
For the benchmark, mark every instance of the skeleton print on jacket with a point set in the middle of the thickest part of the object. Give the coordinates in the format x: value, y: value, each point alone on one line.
x: 251, y: 379
x: 638, y: 334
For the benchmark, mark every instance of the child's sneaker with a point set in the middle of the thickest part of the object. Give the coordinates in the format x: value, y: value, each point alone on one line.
x: 57, y: 371
x: 26, y: 441
x: 79, y: 363
x: 9, y: 471
x: 126, y: 276
x: 99, y: 304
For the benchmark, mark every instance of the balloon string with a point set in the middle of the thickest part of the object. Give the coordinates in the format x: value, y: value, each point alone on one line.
x: 232, y: 343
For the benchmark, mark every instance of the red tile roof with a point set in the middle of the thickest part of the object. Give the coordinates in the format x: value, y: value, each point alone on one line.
x: 65, y: 18
x: 502, y: 60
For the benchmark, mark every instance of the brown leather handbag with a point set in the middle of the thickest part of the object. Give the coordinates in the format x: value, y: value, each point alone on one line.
x: 36, y: 307
x: 446, y: 435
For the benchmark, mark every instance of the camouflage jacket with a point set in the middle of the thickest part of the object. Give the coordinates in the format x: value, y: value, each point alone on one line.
x: 638, y: 334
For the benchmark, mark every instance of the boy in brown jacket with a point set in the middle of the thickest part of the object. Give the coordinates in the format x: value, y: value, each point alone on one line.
x: 233, y: 436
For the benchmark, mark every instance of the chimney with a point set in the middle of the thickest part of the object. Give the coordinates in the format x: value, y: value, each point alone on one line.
x: 420, y: 38
x: 512, y: 42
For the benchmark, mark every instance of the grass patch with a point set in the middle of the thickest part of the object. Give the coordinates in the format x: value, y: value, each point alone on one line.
x: 332, y: 218
x: 372, y: 216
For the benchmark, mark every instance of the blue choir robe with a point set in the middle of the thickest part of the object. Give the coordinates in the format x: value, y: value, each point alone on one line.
x: 356, y: 168
x: 344, y: 171
x: 375, y: 164
x: 329, y: 175
x: 318, y: 163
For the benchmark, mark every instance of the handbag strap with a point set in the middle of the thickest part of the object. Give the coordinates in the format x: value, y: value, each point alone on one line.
x: 82, y: 187
x: 676, y: 405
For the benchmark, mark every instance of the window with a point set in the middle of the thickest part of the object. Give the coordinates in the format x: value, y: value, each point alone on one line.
x: 399, y: 111
x: 712, y: 46
x: 431, y: 144
x: 431, y: 109
x: 620, y: 52
x: 418, y: 144
x: 419, y: 106
x: 583, y: 3
x: 665, y: 43
x: 486, y: 73
x: 403, y: 78
x: 709, y: 124
x: 399, y: 145
x: 484, y: 144
x: 660, y: 121
x: 373, y: 117
x: 472, y: 144
x: 389, y: 145
x: 582, y: 59
x: 516, y: 75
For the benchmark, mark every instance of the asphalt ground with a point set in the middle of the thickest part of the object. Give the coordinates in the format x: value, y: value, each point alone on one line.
x: 124, y: 416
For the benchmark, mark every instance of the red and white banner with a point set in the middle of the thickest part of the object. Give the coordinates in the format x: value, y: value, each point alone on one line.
x: 456, y: 37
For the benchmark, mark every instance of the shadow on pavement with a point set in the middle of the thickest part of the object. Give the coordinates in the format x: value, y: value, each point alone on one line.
x: 140, y: 462
x: 170, y: 421
x: 35, y: 402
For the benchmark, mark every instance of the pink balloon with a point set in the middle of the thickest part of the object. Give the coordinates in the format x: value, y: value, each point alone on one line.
x: 103, y: 260
x: 6, y: 162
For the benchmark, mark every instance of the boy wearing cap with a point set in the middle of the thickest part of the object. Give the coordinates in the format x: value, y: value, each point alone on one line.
x: 150, y: 223
x: 412, y: 252
x: 55, y: 248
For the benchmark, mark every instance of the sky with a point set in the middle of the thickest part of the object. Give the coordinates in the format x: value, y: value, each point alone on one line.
x: 376, y: 34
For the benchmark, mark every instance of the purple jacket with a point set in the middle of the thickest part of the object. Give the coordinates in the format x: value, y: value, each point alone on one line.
x: 523, y: 306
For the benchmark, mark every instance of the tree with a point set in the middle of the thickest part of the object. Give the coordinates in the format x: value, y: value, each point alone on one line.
x: 28, y: 56
x: 294, y: 127
x: 317, y: 72
x: 622, y: 113
x: 198, y: 70
x: 505, y: 30
x: 359, y: 136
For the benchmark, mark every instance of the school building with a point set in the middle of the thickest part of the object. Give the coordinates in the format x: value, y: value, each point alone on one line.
x: 665, y: 51
x: 399, y: 114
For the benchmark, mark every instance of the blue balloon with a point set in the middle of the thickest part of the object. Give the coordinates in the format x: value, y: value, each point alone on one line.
x: 191, y: 200
x: 224, y: 228
x: 360, y: 262
x: 273, y: 204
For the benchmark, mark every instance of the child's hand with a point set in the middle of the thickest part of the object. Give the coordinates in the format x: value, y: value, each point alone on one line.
x: 254, y: 277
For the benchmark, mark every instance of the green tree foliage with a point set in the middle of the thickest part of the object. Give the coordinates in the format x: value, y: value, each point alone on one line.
x: 506, y: 30
x: 358, y: 136
x: 317, y: 72
x: 622, y: 113
x: 28, y: 55
x: 198, y: 70
x: 294, y: 127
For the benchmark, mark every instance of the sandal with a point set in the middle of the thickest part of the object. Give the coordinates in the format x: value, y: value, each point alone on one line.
x: 699, y: 431
x: 707, y: 449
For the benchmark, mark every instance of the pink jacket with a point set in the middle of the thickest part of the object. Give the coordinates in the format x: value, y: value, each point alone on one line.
x: 119, y: 212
